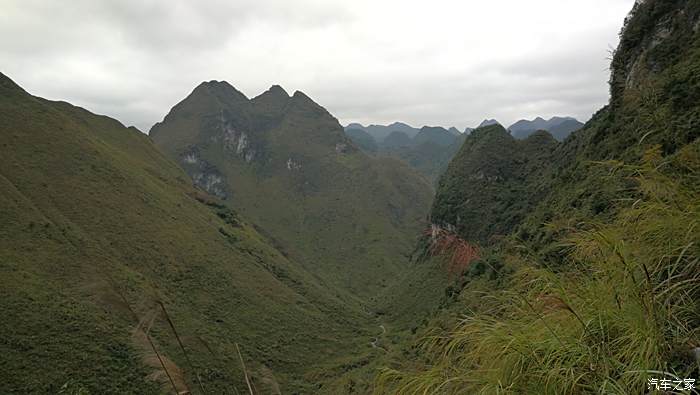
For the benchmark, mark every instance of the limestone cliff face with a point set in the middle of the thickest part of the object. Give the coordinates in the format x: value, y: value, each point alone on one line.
x: 204, y: 175
x: 656, y: 34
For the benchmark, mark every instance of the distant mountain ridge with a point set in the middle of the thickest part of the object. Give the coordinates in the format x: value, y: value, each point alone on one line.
x: 380, y: 132
x: 558, y: 127
x: 434, y: 134
x: 454, y: 131
x: 407, y: 142
x: 427, y: 149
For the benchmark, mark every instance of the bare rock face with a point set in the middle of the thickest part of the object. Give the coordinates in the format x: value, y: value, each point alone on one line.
x: 655, y: 35
x: 211, y: 181
x: 234, y: 141
x: 203, y: 174
x: 293, y: 165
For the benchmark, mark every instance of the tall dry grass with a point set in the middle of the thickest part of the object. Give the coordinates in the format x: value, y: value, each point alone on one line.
x: 627, y: 312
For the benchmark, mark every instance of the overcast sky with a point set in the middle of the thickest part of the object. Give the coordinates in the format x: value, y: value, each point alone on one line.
x: 449, y: 63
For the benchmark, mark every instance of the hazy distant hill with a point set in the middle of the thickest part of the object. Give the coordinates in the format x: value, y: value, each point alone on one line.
x: 427, y: 149
x: 564, y: 129
x: 380, y: 132
x: 396, y: 140
x: 362, y: 139
x: 559, y: 127
x: 436, y: 135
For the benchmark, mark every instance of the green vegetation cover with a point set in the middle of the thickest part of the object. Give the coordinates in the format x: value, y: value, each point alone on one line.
x: 118, y: 276
x: 250, y: 246
x: 587, y: 272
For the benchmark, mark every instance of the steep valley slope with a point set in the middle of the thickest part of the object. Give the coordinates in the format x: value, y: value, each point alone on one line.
x: 586, y: 279
x: 117, y: 275
x: 286, y: 163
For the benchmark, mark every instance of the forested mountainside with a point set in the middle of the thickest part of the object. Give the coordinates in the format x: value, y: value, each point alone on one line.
x: 285, y: 162
x: 485, y: 191
x: 579, y: 261
x: 118, y: 276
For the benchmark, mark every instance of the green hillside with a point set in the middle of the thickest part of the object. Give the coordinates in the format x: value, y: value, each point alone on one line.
x: 486, y: 190
x: 586, y: 277
x: 287, y: 164
x: 99, y: 228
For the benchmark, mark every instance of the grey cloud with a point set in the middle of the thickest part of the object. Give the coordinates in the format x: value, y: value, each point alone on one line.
x: 562, y: 81
x: 367, y: 61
